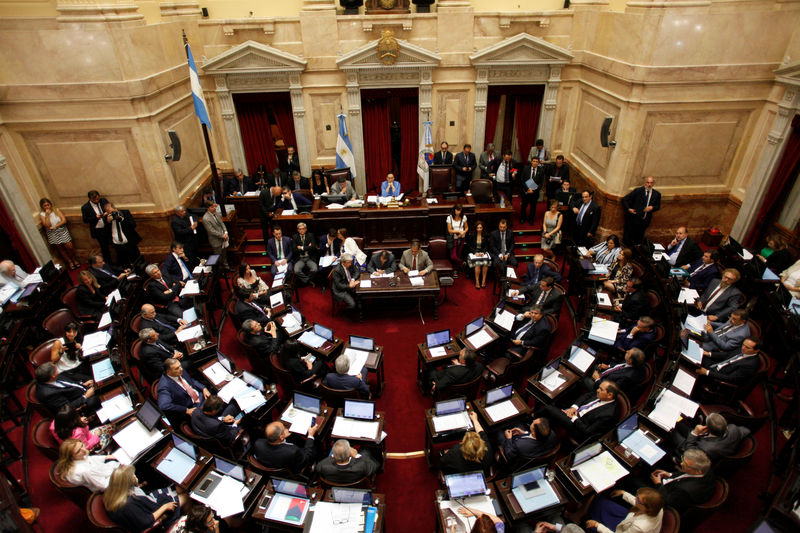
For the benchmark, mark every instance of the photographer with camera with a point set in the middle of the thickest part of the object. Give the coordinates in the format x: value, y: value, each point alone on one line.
x: 123, y: 234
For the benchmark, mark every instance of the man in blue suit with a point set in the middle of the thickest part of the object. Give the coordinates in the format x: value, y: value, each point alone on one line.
x: 178, y: 394
x: 703, y: 272
x: 534, y: 334
x: 724, y: 336
x: 279, y: 250
x: 638, y: 336
x: 341, y: 380
x: 537, y: 271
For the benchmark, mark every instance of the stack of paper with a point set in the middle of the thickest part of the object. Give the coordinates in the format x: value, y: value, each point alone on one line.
x: 114, y: 296
x: 696, y: 323
x: 134, y: 438
x: 553, y: 381
x: 33, y: 278
x: 113, y: 408
x: 276, y: 299
x: 95, y: 343
x: 300, y: 420
x: 684, y: 381
x: 581, y: 359
x: 105, y: 321
x: 355, y: 429
x: 439, y: 351
x: 478, y: 256
x: 583, y: 250
x: 191, y: 288
x: 670, y: 408
x: 432, y: 201
x: 501, y: 411
x: 540, y: 499
x: 479, y: 339
x: 603, y: 299
x: 450, y: 422
x: 599, y: 268
x: 290, y: 323
x: 511, y: 273
x: 417, y: 281
x: 366, y: 283
x: 326, y: 261
x: 688, y: 296
x: 505, y: 320
x: 603, y: 330
x: 194, y: 332
x: 601, y: 471
x: 277, y: 282
x: 200, y: 269
x: 309, y: 338
x: 228, y: 498
x: 336, y: 518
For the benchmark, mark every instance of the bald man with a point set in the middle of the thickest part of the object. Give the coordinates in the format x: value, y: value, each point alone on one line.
x: 274, y: 451
x: 639, y: 206
x: 165, y: 325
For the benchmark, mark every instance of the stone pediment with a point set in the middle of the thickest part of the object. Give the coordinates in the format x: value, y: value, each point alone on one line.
x: 409, y: 55
x: 250, y: 57
x: 789, y: 74
x: 521, y: 50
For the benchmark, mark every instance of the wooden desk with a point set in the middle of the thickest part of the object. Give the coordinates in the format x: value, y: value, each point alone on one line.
x: 398, y: 287
x: 380, y: 417
x: 441, y: 515
x: 425, y: 361
x: 259, y: 511
x: 305, y: 326
x: 623, y: 454
x: 328, y: 351
x: 378, y: 501
x: 514, y: 512
x: 203, y: 460
x: 543, y: 394
x: 522, y: 411
x: 568, y: 480
x: 252, y: 480
x: 118, y: 390
x: 436, y: 440
x: 374, y: 364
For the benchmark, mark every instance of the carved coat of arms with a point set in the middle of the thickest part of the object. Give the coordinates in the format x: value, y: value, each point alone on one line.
x: 388, y: 48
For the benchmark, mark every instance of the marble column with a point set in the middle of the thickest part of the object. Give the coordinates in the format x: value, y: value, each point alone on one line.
x: 299, y: 114
x: 356, y: 130
x: 14, y: 202
x: 481, y: 96
x: 548, y: 112
x: 232, y: 131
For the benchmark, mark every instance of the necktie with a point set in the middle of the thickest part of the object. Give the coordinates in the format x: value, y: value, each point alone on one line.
x: 542, y: 297
x: 505, y: 171
x: 97, y: 211
x: 503, y: 242
x: 118, y: 230
x: 673, y: 257
x: 730, y: 361
x: 64, y: 384
x: 258, y: 307
x: 164, y: 348
x: 164, y: 283
x: 157, y: 321
x: 535, y: 277
x: 647, y: 203
x: 523, y: 330
x: 614, y: 368
x: 699, y: 269
x: 347, y: 273
x: 584, y: 408
x: 583, y: 210
x: 184, y: 269
x: 190, y: 391
x: 107, y: 272
x: 279, y: 246
x: 714, y: 296
x: 414, y: 263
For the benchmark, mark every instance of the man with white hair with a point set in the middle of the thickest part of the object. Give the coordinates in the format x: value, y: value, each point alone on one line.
x: 11, y: 273
x: 305, y: 252
x: 345, y: 280
x: 346, y: 465
x: 341, y: 380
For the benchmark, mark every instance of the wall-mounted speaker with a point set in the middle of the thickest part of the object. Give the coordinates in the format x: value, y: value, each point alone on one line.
x: 605, y: 129
x: 175, y: 144
x: 205, y: 12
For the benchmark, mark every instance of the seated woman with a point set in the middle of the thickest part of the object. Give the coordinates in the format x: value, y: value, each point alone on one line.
x: 69, y: 424
x: 79, y: 468
x: 619, y: 274
x: 65, y: 354
x: 473, y: 453
x: 319, y: 184
x: 776, y: 254
x: 457, y: 229
x: 132, y: 508
x: 89, y: 299
x: 249, y: 280
x: 478, y: 247
x: 199, y: 519
x: 605, y: 252
x: 484, y: 522
x: 349, y: 246
x: 300, y: 365
x: 645, y: 515
x: 390, y: 187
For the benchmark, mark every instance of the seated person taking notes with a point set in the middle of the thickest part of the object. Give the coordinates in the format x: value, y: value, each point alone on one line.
x: 390, y: 187
x: 416, y: 259
x: 342, y: 186
x: 341, y: 380
x: 382, y: 263
x: 275, y: 451
x: 463, y: 370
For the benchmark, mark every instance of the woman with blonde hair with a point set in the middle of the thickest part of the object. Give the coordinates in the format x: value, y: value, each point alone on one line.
x: 134, y: 509
x: 76, y: 466
x: 55, y: 226
x: 88, y: 296
x: 473, y: 453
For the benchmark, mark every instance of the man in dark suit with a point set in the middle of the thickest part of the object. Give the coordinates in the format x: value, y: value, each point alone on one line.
x: 530, y: 195
x: 692, y: 485
x: 237, y: 185
x: 93, y: 214
x: 264, y: 339
x: 179, y: 394
x: 534, y: 442
x: 382, y: 263
x: 123, y: 234
x: 702, y: 272
x: 292, y: 199
x: 277, y: 178
x: 216, y: 420
x: 248, y: 308
x: 717, y: 438
x: 464, y: 164
x: 341, y: 380
x: 346, y: 465
x: 532, y: 334
x: 443, y: 157
x: 463, y: 370
x: 503, y: 172
x: 344, y: 281
x: 721, y: 297
x: 587, y: 218
x: 184, y: 229
x: 164, y: 293
x: 154, y: 352
x: 107, y: 276
x: 639, y: 206
x: 558, y: 170
x: 299, y: 182
x: 625, y: 375
x: 164, y: 324
x: 736, y: 369
x: 545, y: 295
x: 634, y: 305
x: 501, y: 245
x: 330, y: 245
x: 683, y: 251
x: 178, y: 265
x: 638, y: 336
x: 268, y: 200
x: 279, y: 250
x: 55, y: 393
x: 305, y: 254
x: 291, y: 162
x: 593, y: 414
x: 537, y: 271
x: 275, y: 451
x: 724, y: 336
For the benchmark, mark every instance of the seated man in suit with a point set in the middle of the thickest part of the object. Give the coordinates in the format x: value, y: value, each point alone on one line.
x: 216, y: 420
x: 164, y: 293
x: 179, y: 394
x: 178, y: 266
x: 415, y: 258
x: 528, y: 443
x: 724, y: 336
x: 717, y: 438
x: 474, y: 452
x: 721, y: 297
x: 501, y: 245
x: 237, y: 185
x: 346, y: 465
x: 107, y: 276
x: 292, y: 199
x: 155, y: 352
x: 537, y: 271
x: 638, y: 336
x: 341, y: 380
x: 275, y: 451
x: 330, y: 244
x: 343, y: 186
x: 692, y: 485
x: 55, y: 393
x: 625, y: 375
x: 344, y: 281
x: 544, y: 294
x: 10, y: 272
x: 443, y: 156
x: 305, y: 254
x: 299, y: 182
x: 683, y: 251
x: 703, y: 272
x: 736, y: 369
x: 390, y: 187
x: 165, y: 325
x: 462, y: 370
x: 532, y: 334
x: 382, y: 263
x: 593, y: 414
x: 248, y: 308
x: 264, y: 340
x: 279, y: 250
x: 277, y: 178
x: 634, y: 305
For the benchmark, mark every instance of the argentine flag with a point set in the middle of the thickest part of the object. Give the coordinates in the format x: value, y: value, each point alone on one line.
x: 344, y: 151
x: 425, y: 154
x: 200, y: 108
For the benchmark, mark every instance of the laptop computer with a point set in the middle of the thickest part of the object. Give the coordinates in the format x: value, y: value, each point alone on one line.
x: 230, y: 469
x: 322, y: 331
x: 185, y: 446
x: 212, y: 260
x: 362, y: 343
x: 176, y: 465
x: 638, y: 442
x: 348, y: 495
x: 103, y: 370
x: 253, y: 380
x: 48, y: 271
x: 499, y: 394
x: 148, y: 414
x: 584, y: 453
x: 307, y: 402
x: 448, y: 407
x: 465, y: 485
x: 359, y: 409
x: 289, y: 487
x: 437, y: 338
x: 473, y: 326
x: 550, y: 368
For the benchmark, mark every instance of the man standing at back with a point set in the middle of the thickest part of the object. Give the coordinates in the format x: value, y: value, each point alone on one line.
x: 443, y: 157
x: 93, y: 213
x: 639, y: 206
x: 485, y: 160
x: 464, y: 165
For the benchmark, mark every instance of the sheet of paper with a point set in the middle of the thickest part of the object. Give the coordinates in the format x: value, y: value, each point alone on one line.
x: 191, y: 288
x: 190, y: 315
x: 231, y: 389
x: 505, y: 319
x: 176, y: 465
x: 250, y: 399
x: 358, y: 358
x: 326, y: 261
x: 216, y: 373
x: 332, y: 517
x: 502, y: 410
x: 276, y: 283
x: 298, y: 419
x: 412, y: 273
x: 439, y: 351
x: 665, y: 416
x: 658, y: 247
x: 309, y: 338
x: 684, y: 381
x: 515, y: 296
x: 95, y: 343
x: 643, y: 447
x: 105, y: 321
x: 688, y: 296
x: 478, y: 256
x: 31, y: 278
x: 122, y: 457
x: 114, y: 296
x: 511, y: 273
x: 432, y: 201
x: 553, y: 381
x: 276, y: 299
x: 115, y: 407
x: 693, y: 352
x: 482, y: 503
x: 603, y: 299
x: 544, y: 498
x: 599, y: 268
x: 696, y: 323
x: 746, y: 255
x: 657, y: 256
x: 581, y: 359
x: 417, y: 281
x: 194, y: 332
x: 452, y: 421
x: 355, y: 429
x: 134, y: 438
x: 200, y: 269
x: 366, y: 283
x: 227, y: 499
x: 602, y: 471
x: 480, y: 339
x: 583, y: 250
x: 684, y: 405
x: 290, y: 323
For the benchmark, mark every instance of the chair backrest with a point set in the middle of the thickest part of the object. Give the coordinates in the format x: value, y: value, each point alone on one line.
x: 699, y: 513
x: 230, y: 310
x: 728, y: 465
x: 755, y: 328
x: 335, y: 398
x: 440, y: 178
x: 32, y: 400
x: 78, y: 494
x: 623, y: 406
x: 482, y: 191
x: 365, y: 482
x: 638, y: 270
x: 671, y: 522
x: 209, y: 443
x: 42, y: 353
x: 136, y: 323
x: 469, y: 389
x: 56, y: 321
x: 359, y: 242
x: 654, y: 301
x: 70, y: 298
x: 333, y: 175
x: 282, y: 374
x: 438, y: 248
x: 638, y: 388
x: 255, y: 464
x: 552, y: 265
x: 44, y: 440
x: 96, y: 511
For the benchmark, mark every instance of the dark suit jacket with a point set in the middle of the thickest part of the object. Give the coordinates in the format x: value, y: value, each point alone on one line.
x: 54, y: 397
x: 107, y: 278
x: 472, y: 243
x: 640, y: 340
x: 453, y: 462
x: 626, y: 378
x: 284, y: 455
x: 347, y: 382
x: 725, y: 304
x: 356, y: 469
x: 299, y: 199
x: 183, y: 232
x: 155, y: 290
x: 634, y: 306
x: 90, y: 217
x: 552, y: 187
x: 153, y: 357
x: 460, y: 161
x: 535, y: 275
x: 717, y: 447
x: 597, y: 421
x: 263, y: 344
x: 495, y: 165
x: 527, y: 446
x: 637, y: 199
x: 456, y: 375
x: 290, y: 166
x: 589, y: 222
x: 737, y: 373
x: 211, y: 426
x: 267, y: 204
x: 538, y: 178
x: 277, y: 181
x: 310, y: 246
x: 323, y: 246
x: 699, y: 280
x: 536, y: 336
x: 230, y: 185
x: 128, y: 226
x: 300, y: 371
x: 375, y: 263
x: 446, y: 160
x: 173, y: 400
x: 495, y: 242
x: 304, y: 183
x: 551, y: 305
x: 688, y: 254
x: 88, y: 303
x: 339, y: 279
x: 244, y: 311
x: 172, y: 269
x: 272, y: 249
x: 685, y: 493
x: 162, y: 324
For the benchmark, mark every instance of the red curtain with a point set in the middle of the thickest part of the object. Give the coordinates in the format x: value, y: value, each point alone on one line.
x: 409, y: 147
x: 780, y: 185
x: 527, y: 120
x: 377, y: 142
x: 285, y: 120
x: 492, y: 113
x: 259, y: 148
x: 17, y: 245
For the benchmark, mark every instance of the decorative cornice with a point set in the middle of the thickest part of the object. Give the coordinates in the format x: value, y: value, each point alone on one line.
x: 88, y: 11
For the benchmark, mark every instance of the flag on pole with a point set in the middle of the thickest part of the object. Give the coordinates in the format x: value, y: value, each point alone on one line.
x: 200, y: 108
x: 344, y: 150
x: 425, y: 154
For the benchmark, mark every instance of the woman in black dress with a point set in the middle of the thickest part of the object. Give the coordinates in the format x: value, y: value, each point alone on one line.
x: 89, y: 299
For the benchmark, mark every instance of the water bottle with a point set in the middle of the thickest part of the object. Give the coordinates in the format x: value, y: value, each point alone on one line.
x: 502, y: 202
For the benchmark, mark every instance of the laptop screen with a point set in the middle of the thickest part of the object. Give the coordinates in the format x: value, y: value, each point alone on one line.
x: 226, y: 363
x: 323, y: 332
x: 102, y: 369
x: 769, y: 275
x: 464, y: 485
x: 454, y: 405
x: 184, y: 446
x: 363, y: 409
x: 148, y: 415
x: 306, y: 402
x: 587, y: 452
x: 437, y: 338
x: 628, y: 426
x: 528, y: 476
x: 253, y: 380
x: 473, y: 326
x: 499, y: 394
x: 292, y: 488
x: 231, y: 469
x: 552, y: 367
x: 212, y: 260
x: 362, y: 343
x: 343, y: 495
